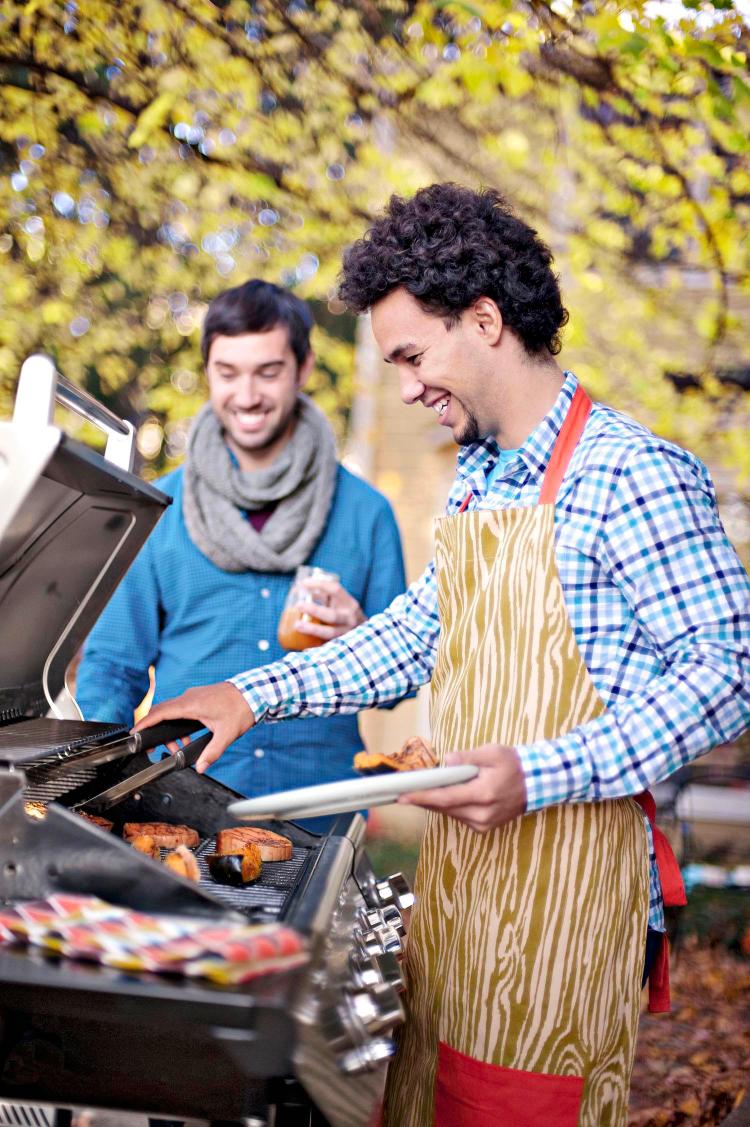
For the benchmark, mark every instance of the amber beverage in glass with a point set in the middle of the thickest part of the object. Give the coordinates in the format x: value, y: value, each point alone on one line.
x: 290, y: 637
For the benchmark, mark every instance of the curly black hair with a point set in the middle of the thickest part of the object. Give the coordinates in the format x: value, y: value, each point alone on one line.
x: 448, y: 246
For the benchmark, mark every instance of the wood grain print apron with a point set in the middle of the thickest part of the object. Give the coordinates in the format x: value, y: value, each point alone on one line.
x: 526, y: 946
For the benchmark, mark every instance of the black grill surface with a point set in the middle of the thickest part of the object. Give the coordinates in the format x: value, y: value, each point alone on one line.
x: 269, y: 894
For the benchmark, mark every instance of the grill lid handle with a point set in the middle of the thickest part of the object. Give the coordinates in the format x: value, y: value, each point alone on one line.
x: 40, y: 386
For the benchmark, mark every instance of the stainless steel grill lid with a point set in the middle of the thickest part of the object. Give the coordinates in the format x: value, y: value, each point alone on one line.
x: 71, y: 523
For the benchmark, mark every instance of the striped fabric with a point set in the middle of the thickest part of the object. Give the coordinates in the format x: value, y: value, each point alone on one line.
x: 657, y: 598
x: 526, y: 944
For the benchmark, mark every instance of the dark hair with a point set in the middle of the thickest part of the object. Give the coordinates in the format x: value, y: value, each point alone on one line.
x: 258, y: 307
x: 448, y: 246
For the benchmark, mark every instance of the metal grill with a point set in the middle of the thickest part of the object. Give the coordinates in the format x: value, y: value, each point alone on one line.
x: 45, y: 738
x: 25, y: 1115
x: 268, y: 895
x: 43, y: 788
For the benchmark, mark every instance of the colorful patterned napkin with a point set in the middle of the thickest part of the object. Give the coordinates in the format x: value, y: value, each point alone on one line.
x: 84, y: 927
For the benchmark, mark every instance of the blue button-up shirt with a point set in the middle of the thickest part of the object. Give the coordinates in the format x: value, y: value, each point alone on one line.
x: 658, y: 601
x: 197, y: 624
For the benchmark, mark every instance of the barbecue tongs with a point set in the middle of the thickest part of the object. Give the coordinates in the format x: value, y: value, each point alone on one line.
x: 144, y: 741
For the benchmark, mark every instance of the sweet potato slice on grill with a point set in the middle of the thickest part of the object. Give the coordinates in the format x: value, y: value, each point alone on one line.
x: 183, y: 862
x: 145, y: 844
x: 236, y: 868
x: 415, y: 754
x: 166, y: 836
x: 273, y: 847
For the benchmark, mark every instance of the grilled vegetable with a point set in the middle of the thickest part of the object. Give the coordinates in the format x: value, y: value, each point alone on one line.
x: 146, y: 844
x: 414, y: 755
x: 183, y: 862
x: 236, y: 868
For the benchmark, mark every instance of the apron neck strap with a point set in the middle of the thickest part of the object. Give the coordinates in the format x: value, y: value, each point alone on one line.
x: 562, y: 451
x: 565, y: 444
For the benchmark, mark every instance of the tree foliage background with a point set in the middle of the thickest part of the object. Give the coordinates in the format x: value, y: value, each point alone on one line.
x: 154, y: 152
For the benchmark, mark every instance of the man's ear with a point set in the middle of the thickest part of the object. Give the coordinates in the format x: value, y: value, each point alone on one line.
x: 487, y: 319
x: 305, y: 368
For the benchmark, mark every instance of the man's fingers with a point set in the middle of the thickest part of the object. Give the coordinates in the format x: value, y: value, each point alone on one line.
x: 176, y: 709
x: 211, y: 752
x: 331, y: 616
x: 327, y: 586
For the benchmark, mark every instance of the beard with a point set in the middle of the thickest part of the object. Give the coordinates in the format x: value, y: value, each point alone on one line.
x: 470, y: 432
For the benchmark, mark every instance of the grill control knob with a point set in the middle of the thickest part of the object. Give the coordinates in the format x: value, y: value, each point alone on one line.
x: 367, y: 1057
x: 395, y: 890
x: 393, y: 918
x: 378, y: 1010
x: 390, y: 970
x: 379, y: 940
x: 370, y: 972
x: 374, y: 918
x: 358, y: 1018
x: 366, y: 973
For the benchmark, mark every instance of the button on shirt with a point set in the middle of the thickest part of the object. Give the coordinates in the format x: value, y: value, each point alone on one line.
x: 178, y: 611
x: 658, y: 601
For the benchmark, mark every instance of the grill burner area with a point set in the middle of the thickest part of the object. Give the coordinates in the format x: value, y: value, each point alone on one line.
x: 266, y: 897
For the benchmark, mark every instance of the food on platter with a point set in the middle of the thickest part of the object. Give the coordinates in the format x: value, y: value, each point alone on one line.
x: 35, y: 810
x: 182, y: 861
x: 102, y: 823
x: 145, y: 844
x: 416, y: 754
x: 273, y: 847
x: 236, y: 868
x: 166, y: 836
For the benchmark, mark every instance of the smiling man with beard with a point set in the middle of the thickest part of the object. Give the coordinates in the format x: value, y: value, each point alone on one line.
x: 585, y: 627
x: 260, y: 493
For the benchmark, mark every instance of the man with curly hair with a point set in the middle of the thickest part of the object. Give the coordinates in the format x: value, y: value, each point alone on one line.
x: 586, y: 629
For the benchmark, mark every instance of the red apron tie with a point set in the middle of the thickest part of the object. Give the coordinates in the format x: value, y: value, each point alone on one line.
x: 673, y: 893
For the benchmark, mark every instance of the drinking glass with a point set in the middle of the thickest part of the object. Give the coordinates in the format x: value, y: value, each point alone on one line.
x: 290, y: 637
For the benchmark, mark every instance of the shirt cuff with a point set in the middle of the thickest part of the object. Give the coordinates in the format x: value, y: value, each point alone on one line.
x: 268, y: 690
x: 555, y: 771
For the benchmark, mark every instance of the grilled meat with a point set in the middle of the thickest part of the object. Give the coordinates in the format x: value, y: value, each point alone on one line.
x: 102, y: 823
x: 273, y: 847
x: 164, y: 835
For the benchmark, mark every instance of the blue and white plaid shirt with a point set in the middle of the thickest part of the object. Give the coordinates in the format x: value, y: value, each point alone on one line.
x: 658, y: 601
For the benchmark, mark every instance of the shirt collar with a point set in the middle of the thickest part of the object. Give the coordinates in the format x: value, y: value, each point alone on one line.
x: 535, y: 451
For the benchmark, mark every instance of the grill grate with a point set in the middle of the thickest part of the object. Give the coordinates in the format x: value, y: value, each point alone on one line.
x: 25, y: 1115
x: 41, y: 788
x: 53, y: 740
x: 268, y: 895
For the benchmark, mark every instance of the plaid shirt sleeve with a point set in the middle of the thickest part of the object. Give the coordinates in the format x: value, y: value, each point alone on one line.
x: 663, y: 546
x: 377, y: 663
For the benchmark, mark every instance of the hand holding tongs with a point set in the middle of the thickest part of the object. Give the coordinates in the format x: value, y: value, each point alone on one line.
x: 185, y: 757
x: 144, y: 741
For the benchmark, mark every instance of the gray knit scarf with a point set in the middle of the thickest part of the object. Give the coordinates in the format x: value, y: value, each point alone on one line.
x: 300, y: 482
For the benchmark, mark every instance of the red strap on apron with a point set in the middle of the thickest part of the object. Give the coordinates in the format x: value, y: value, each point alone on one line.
x: 565, y: 444
x: 567, y: 440
x: 673, y: 892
